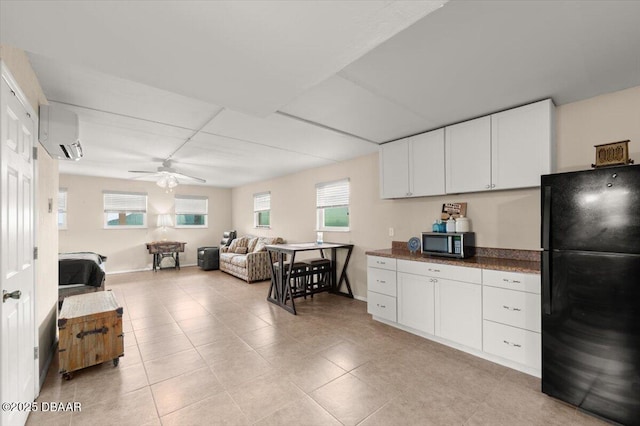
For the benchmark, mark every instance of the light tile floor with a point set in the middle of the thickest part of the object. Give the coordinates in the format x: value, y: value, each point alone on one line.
x: 204, y: 348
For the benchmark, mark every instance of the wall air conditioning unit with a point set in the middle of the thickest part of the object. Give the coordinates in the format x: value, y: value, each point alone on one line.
x: 59, y: 133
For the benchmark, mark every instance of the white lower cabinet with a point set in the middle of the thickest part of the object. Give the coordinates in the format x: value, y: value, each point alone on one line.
x: 459, y: 312
x: 381, y: 291
x: 515, y: 308
x: 512, y: 343
x: 491, y: 314
x: 381, y: 305
x: 416, y: 302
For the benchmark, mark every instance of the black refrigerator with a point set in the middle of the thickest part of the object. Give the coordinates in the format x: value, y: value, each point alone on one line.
x: 591, y: 291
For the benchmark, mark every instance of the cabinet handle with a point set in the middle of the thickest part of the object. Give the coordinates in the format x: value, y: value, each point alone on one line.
x: 511, y: 281
x: 493, y: 185
x: 434, y: 270
x: 487, y: 186
x: 433, y: 280
x: 381, y: 282
x: 512, y: 344
x: 381, y: 306
x: 511, y: 309
x: 381, y: 263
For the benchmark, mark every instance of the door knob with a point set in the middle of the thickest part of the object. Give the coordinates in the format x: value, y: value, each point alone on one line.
x: 13, y: 295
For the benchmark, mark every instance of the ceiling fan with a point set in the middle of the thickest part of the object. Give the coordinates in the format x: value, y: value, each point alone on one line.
x: 168, y: 177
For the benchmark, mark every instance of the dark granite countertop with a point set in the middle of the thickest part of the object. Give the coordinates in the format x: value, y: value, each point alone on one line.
x: 526, y: 261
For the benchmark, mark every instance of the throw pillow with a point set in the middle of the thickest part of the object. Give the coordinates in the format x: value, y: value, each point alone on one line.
x: 241, y: 250
x: 238, y: 242
x: 233, y: 245
x: 260, y: 246
x: 252, y: 244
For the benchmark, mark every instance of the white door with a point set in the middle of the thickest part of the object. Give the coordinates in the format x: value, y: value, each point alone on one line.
x: 17, y: 271
x: 459, y: 312
x: 468, y: 156
x: 416, y: 302
x: 426, y: 159
x: 521, y: 145
x: 394, y: 168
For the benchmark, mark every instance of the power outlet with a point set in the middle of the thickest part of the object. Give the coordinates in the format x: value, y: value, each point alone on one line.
x: 391, y: 232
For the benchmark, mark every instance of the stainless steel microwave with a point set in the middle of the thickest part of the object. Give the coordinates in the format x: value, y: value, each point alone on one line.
x: 450, y: 244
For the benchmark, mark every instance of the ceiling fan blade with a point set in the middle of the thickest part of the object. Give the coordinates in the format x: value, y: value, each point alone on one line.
x: 183, y: 176
x: 150, y: 175
x: 140, y: 171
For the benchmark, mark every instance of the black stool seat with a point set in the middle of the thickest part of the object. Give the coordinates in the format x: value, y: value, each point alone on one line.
x: 298, y: 276
x: 318, y: 270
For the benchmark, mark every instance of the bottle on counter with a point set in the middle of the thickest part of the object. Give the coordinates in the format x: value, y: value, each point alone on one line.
x: 463, y: 224
x: 451, y: 224
x: 435, y: 227
x: 442, y: 227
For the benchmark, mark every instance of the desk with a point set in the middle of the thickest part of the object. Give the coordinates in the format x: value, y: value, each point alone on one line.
x: 280, y: 290
x: 162, y: 249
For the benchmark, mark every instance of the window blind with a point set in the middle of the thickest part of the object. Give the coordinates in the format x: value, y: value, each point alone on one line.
x: 332, y: 194
x: 262, y: 202
x: 62, y: 200
x: 125, y: 202
x: 191, y: 205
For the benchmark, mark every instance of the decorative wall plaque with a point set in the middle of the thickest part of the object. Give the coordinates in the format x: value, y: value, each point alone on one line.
x: 612, y: 154
x: 453, y: 210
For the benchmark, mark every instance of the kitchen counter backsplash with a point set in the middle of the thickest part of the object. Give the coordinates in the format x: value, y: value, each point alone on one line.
x: 527, y: 261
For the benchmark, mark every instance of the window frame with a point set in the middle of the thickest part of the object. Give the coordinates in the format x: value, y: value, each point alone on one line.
x: 179, y: 211
x: 63, y: 210
x: 325, y: 201
x: 122, y: 213
x: 258, y: 210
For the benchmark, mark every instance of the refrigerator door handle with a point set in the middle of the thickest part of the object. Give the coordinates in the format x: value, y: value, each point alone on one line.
x: 546, y: 283
x: 546, y: 218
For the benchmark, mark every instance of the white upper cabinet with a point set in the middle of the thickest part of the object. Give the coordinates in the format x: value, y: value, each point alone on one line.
x: 507, y: 150
x: 468, y: 156
x: 394, y: 169
x: 413, y: 167
x: 521, y: 145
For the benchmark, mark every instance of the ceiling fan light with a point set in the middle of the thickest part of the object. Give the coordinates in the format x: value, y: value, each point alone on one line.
x: 162, y: 182
x: 172, y: 182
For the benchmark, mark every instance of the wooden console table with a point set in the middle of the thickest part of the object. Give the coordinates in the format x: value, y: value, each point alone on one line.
x: 162, y: 249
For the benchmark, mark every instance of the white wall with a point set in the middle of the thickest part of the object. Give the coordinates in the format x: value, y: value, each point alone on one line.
x: 505, y: 219
x: 125, y: 248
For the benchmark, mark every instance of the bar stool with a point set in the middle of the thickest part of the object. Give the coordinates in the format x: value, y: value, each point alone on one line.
x: 318, y: 274
x: 298, y: 277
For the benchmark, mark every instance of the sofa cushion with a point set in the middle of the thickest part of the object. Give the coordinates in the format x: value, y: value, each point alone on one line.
x: 241, y: 250
x: 238, y: 242
x: 252, y: 244
x: 239, y: 261
x: 226, y: 257
x: 264, y: 241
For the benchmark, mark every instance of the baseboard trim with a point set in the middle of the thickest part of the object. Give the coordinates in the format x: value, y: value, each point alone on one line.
x: 127, y: 271
x: 47, y: 364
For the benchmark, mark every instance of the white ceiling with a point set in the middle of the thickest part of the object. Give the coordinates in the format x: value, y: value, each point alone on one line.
x: 265, y: 88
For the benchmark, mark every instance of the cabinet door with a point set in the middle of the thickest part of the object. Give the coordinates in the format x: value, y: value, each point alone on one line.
x: 459, y: 312
x: 416, y: 302
x: 521, y: 145
x: 426, y: 159
x: 394, y: 169
x: 468, y: 156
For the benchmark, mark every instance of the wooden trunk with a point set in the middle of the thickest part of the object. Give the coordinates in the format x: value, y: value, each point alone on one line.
x: 90, y: 331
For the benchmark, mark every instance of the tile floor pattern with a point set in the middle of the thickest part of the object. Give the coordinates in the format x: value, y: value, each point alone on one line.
x: 204, y: 348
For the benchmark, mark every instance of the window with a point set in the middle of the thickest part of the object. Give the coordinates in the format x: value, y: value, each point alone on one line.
x: 125, y: 210
x: 332, y: 201
x: 191, y: 211
x: 262, y: 210
x: 62, y: 208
